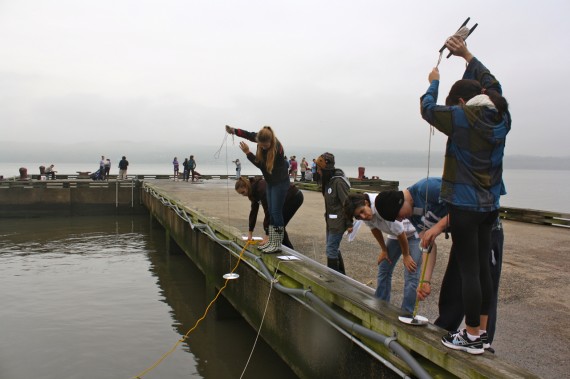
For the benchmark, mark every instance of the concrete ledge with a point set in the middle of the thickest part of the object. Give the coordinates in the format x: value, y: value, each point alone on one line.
x: 68, y: 197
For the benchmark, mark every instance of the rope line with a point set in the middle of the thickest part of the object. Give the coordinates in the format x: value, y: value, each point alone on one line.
x: 173, y: 348
x: 275, y: 280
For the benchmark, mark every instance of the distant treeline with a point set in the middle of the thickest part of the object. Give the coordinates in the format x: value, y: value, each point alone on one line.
x: 157, y: 153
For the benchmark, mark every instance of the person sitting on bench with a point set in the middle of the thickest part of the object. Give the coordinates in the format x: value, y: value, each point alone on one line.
x: 50, y: 172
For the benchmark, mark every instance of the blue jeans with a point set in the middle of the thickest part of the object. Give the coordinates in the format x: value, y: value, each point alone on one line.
x: 333, y: 243
x: 276, y: 194
x: 411, y: 279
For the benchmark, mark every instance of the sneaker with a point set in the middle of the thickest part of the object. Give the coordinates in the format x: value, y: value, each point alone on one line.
x: 485, y: 341
x: 460, y: 341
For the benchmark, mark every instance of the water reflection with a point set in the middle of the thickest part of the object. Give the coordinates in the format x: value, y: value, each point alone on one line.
x: 99, y: 297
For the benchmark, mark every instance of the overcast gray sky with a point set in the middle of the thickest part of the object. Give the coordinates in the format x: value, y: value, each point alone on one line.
x: 327, y: 73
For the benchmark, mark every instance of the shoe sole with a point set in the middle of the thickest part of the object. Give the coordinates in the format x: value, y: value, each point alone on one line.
x: 463, y: 348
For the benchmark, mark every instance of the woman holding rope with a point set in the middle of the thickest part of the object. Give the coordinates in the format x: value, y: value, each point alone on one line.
x: 255, y: 189
x: 476, y: 120
x: 270, y: 159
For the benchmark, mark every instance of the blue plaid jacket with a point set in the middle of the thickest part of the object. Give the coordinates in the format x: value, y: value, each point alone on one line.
x: 473, y: 169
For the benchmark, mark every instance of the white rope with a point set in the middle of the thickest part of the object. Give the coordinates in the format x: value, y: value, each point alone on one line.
x: 275, y: 280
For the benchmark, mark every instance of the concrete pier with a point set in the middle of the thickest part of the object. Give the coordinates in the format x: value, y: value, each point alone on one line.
x: 34, y: 198
x: 290, y: 329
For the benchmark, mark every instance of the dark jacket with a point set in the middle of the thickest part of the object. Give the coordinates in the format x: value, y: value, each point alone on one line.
x: 336, y: 192
x: 280, y: 172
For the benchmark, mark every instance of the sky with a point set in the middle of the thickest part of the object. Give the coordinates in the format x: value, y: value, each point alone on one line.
x: 326, y: 73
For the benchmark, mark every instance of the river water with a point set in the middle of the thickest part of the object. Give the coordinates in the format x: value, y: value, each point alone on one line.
x: 99, y: 297
x: 531, y: 189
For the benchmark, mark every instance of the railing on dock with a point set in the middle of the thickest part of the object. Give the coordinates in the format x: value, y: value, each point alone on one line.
x: 358, y: 185
x: 534, y: 216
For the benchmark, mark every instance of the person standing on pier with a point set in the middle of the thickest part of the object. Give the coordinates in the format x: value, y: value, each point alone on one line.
x: 192, y: 167
x: 450, y: 303
x: 123, y: 166
x: 270, y: 159
x: 335, y: 189
x: 176, y: 168
x: 255, y: 189
x: 476, y: 121
x: 304, y: 166
x: 293, y: 169
x: 102, y: 167
x: 107, y: 168
x: 186, y: 170
x: 238, y: 169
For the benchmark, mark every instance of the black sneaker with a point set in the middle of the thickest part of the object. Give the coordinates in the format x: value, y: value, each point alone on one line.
x: 486, y: 344
x: 485, y: 340
x: 460, y: 341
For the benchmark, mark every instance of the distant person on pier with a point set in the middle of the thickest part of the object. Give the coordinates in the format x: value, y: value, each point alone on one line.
x: 107, y: 168
x: 335, y: 190
x: 476, y: 120
x: 102, y: 167
x: 255, y: 190
x: 403, y: 240
x: 294, y: 168
x: 176, y: 168
x: 50, y: 172
x: 315, y: 172
x: 304, y: 166
x: 238, y: 169
x: 186, y: 174
x: 270, y: 159
x: 123, y: 166
x: 192, y: 167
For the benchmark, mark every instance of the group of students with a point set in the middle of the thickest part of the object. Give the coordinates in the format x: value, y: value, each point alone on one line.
x: 463, y: 202
x: 189, y: 166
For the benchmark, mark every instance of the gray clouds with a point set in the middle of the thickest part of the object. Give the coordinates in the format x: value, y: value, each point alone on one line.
x: 325, y: 73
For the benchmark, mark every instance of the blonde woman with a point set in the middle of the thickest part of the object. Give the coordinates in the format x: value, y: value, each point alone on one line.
x: 270, y: 159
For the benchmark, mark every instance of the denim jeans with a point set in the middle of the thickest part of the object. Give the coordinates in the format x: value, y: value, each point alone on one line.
x: 333, y: 243
x: 276, y: 194
x: 411, y: 279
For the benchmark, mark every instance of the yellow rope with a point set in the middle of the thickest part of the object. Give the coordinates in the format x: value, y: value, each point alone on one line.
x: 163, y: 357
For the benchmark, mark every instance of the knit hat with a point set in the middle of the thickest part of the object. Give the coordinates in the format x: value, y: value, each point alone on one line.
x: 326, y: 161
x: 388, y: 204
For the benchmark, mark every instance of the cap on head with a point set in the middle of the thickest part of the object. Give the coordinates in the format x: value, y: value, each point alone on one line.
x: 388, y: 204
x: 326, y: 161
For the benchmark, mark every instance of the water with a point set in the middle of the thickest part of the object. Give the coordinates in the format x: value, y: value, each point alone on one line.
x: 534, y: 189
x: 99, y: 297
